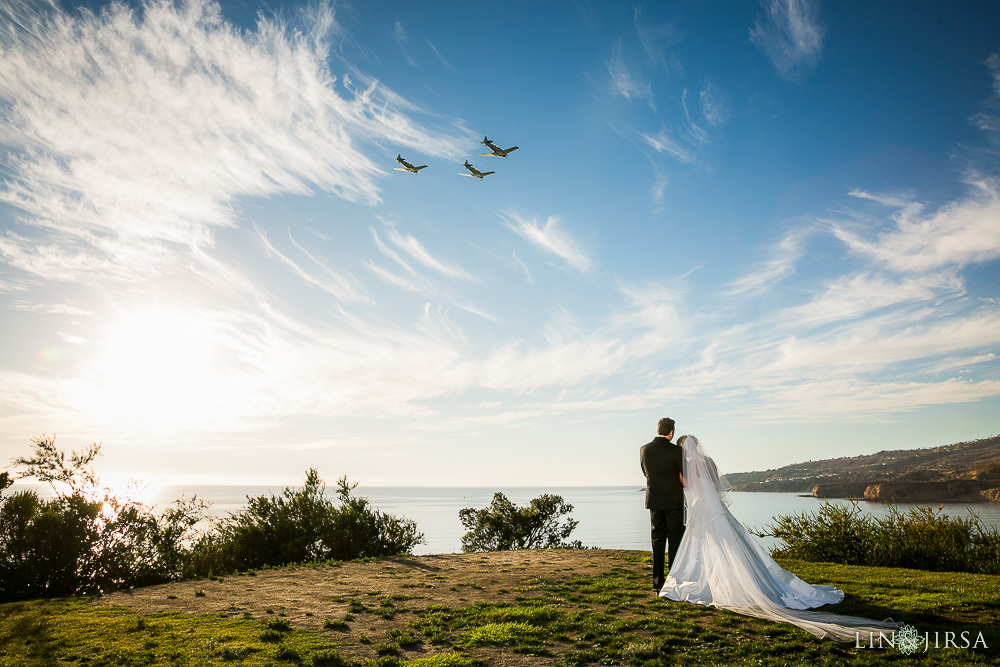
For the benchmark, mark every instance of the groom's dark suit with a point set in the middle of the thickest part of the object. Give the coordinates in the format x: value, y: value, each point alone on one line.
x: 662, y: 463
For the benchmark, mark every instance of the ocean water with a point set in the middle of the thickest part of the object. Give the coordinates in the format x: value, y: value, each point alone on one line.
x: 609, y: 517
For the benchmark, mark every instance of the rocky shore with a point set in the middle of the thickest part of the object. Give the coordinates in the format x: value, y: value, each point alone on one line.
x: 904, y: 491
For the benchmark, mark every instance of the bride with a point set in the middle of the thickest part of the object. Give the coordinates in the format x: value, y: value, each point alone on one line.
x: 720, y: 564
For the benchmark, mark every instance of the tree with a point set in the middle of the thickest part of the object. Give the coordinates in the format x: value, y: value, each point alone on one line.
x: 49, y: 465
x: 85, y: 540
x: 505, y: 527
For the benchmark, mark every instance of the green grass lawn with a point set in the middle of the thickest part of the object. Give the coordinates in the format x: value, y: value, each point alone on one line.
x: 568, y: 619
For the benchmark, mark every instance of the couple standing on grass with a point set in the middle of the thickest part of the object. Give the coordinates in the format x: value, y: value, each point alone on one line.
x: 713, y: 559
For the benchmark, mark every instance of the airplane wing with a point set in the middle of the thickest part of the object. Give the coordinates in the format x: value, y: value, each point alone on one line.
x: 487, y: 173
x: 511, y: 149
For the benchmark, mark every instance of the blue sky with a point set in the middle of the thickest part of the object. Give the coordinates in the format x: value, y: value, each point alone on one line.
x: 776, y: 222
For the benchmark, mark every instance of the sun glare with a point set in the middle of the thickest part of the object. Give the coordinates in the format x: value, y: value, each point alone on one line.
x: 157, y: 370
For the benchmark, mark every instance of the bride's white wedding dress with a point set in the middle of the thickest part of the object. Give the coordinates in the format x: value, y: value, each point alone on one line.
x: 719, y: 563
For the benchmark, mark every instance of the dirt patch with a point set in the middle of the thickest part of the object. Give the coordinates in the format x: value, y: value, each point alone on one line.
x: 378, y: 595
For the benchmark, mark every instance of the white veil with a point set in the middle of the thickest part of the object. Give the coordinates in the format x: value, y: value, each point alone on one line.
x: 720, y: 563
x: 700, y: 474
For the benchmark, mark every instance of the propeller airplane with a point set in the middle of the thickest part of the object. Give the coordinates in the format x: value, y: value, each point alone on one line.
x: 475, y: 173
x: 407, y: 166
x: 497, y: 151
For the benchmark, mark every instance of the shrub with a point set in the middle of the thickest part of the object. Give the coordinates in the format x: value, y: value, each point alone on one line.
x: 85, y: 540
x: 920, y: 538
x: 502, y: 526
x: 303, y: 525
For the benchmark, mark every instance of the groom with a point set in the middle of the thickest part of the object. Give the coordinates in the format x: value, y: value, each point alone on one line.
x: 662, y: 463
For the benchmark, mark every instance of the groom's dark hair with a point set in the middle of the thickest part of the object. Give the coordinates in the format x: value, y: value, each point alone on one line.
x: 665, y: 426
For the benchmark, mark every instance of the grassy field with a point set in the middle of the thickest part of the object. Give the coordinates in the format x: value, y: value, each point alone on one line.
x: 595, y: 610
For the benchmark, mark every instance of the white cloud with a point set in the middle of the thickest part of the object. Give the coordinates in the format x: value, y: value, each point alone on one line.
x: 960, y: 233
x: 658, y: 189
x: 790, y: 35
x: 776, y: 268
x: 622, y: 81
x: 444, y: 61
x: 524, y: 267
x: 337, y: 285
x: 714, y: 105
x: 664, y: 143
x: 415, y: 283
x: 874, y: 344
x: 401, y: 38
x: 857, y: 400
x: 689, y: 136
x: 552, y: 239
x: 73, y: 339
x: 993, y: 62
x: 659, y: 42
x: 415, y: 249
x: 52, y: 309
x: 961, y: 364
x: 851, y: 296
x: 130, y: 133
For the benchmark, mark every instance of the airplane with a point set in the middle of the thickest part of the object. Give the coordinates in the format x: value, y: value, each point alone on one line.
x: 475, y: 172
x: 497, y: 151
x: 407, y: 166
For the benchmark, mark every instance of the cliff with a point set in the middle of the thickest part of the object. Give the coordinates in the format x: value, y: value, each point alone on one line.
x: 955, y: 490
x: 965, y: 471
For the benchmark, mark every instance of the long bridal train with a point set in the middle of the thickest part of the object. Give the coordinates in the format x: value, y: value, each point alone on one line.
x: 720, y: 564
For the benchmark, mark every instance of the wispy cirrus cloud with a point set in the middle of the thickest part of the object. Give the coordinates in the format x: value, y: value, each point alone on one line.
x: 714, y: 103
x: 415, y: 249
x: 878, y: 343
x: 623, y: 83
x: 343, y: 287
x: 779, y: 265
x: 993, y: 63
x: 697, y: 129
x: 414, y: 281
x: 790, y: 35
x: 663, y: 142
x: 962, y: 232
x: 860, y: 401
x: 551, y: 238
x: 872, y: 339
x: 400, y: 36
x: 130, y: 133
x: 859, y: 294
x: 659, y: 42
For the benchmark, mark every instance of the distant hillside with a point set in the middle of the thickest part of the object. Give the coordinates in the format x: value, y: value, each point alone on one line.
x: 968, y: 471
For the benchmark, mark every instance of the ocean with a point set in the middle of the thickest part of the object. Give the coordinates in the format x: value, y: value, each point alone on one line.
x: 610, y: 517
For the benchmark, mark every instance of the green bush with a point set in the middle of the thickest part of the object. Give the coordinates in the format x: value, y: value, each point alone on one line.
x: 921, y: 538
x: 85, y: 540
x: 303, y: 525
x: 503, y: 526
